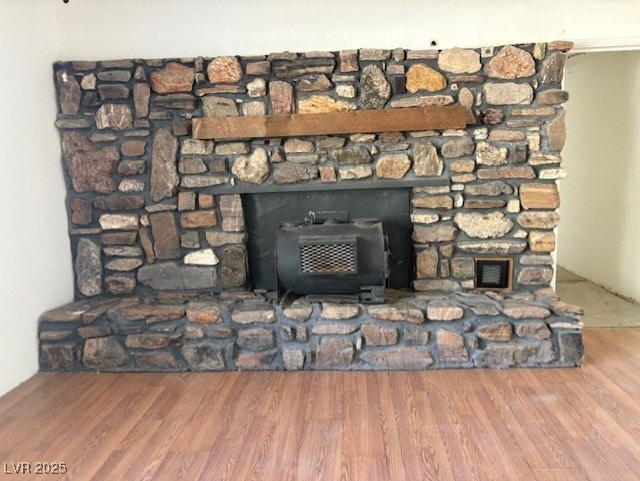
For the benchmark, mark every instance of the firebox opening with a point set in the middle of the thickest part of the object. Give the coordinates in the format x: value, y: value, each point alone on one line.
x: 266, y: 212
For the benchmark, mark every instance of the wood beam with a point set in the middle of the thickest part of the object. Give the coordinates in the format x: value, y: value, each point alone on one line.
x: 349, y: 122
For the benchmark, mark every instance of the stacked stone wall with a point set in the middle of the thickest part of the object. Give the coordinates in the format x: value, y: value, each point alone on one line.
x: 158, y: 234
x: 144, y: 202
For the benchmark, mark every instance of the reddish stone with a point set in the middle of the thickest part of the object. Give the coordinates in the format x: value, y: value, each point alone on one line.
x: 166, y: 240
x: 174, y: 77
x: 281, y: 96
x: 81, y: 212
x: 133, y: 148
x: 196, y: 220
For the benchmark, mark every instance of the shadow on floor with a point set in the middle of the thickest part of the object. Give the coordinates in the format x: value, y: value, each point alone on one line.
x: 601, y: 308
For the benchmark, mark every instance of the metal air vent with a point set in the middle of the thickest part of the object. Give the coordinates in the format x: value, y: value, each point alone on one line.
x: 328, y: 257
x: 493, y: 273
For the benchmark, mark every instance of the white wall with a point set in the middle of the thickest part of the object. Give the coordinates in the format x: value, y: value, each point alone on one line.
x: 35, y: 262
x: 599, y: 236
x: 96, y: 29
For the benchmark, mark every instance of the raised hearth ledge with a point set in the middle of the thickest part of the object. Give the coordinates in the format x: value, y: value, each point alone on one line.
x: 250, y: 331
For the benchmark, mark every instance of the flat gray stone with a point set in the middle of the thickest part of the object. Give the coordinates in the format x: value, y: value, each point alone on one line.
x: 408, y: 358
x: 104, y: 353
x: 88, y: 267
x: 172, y: 276
x: 164, y: 174
x: 204, y: 357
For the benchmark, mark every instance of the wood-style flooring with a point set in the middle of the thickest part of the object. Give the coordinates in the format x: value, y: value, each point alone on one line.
x: 517, y: 424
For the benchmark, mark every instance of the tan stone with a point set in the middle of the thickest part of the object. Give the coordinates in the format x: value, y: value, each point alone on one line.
x: 483, y: 226
x: 339, y: 311
x: 355, y: 172
x: 519, y: 310
x: 334, y: 352
x: 426, y: 162
x: 539, y: 196
x: 315, y: 83
x: 507, y: 93
x: 291, y: 173
x: 487, y: 154
x: 495, y: 332
x: 281, y: 97
x: 379, y: 335
x: 557, y: 132
x: 444, y: 312
x: 463, y: 166
x: 253, y: 168
x: 224, y: 70
x: 561, y: 45
x: 202, y: 257
x: 253, y: 315
x: 539, y: 220
x: 406, y: 358
x: 323, y: 103
x: 451, y: 346
x: 118, y: 221
x: 533, y: 330
x: 254, y: 108
x: 204, y: 312
x: 535, y: 276
x: 427, y: 263
x: 506, y: 136
x: 214, y: 106
x: 552, y: 97
x: 298, y: 145
x: 422, y: 77
x: 348, y: 61
x: 457, y: 60
x: 396, y: 313
x: 541, y: 241
x: 327, y: 174
x: 443, y: 202
x: 496, y: 173
x: 334, y: 329
x: 511, y: 63
x: 393, y: 166
x: 438, y: 233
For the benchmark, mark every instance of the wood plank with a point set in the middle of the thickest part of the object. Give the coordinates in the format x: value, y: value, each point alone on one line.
x: 326, y: 123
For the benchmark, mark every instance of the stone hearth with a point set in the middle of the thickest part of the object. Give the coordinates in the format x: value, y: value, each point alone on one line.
x: 157, y: 225
x: 246, y: 330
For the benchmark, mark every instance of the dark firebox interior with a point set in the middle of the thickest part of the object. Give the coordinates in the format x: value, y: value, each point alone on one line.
x: 265, y: 212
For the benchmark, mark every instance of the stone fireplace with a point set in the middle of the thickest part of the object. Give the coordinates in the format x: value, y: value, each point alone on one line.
x: 162, y: 244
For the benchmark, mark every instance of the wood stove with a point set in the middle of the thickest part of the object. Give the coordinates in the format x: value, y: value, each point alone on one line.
x: 333, y: 257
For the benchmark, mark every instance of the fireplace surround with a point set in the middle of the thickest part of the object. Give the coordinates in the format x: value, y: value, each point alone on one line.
x: 160, y: 238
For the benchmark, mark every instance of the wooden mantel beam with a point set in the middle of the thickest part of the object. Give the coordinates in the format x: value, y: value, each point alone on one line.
x: 349, y: 122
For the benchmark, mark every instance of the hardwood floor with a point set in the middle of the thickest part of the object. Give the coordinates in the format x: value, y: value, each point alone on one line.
x: 541, y: 425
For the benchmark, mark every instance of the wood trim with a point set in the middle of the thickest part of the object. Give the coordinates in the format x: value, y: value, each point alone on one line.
x: 326, y: 123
